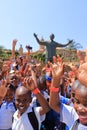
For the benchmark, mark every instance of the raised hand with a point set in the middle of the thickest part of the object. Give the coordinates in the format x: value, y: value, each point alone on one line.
x: 35, y: 35
x: 82, y: 71
x: 70, y: 41
x: 3, y: 89
x: 82, y: 74
x: 29, y: 83
x: 57, y: 72
x: 14, y: 42
x: 13, y: 47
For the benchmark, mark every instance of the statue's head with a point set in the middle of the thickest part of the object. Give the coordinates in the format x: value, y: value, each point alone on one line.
x: 20, y: 45
x: 52, y: 37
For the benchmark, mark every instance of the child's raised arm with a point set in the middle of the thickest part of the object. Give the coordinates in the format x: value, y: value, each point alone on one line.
x: 3, y: 90
x: 31, y: 84
x: 57, y: 72
x: 13, y: 48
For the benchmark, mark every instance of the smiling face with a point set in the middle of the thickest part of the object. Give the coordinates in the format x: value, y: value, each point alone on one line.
x: 22, y: 99
x: 80, y: 103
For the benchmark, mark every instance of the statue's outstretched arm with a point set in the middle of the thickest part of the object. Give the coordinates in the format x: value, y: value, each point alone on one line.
x: 35, y: 35
x: 64, y: 45
x: 39, y: 41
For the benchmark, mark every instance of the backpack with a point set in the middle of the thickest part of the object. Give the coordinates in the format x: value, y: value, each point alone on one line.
x: 33, y: 120
x: 75, y: 126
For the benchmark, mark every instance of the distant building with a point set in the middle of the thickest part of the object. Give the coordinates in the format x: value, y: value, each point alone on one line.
x: 21, y: 50
x: 69, y: 54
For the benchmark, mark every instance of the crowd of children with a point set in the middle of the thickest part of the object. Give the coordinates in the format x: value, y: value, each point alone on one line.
x: 36, y: 98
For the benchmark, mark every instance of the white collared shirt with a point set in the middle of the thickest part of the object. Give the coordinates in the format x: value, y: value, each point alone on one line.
x: 23, y: 122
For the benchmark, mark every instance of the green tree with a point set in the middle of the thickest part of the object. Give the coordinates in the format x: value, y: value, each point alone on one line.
x: 73, y: 46
x: 1, y: 49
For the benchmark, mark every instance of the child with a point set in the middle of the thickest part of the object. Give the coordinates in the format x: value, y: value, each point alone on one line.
x: 75, y: 118
x: 7, y: 109
x: 22, y: 101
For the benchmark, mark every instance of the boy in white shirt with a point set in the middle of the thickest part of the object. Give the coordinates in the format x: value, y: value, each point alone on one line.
x: 23, y: 99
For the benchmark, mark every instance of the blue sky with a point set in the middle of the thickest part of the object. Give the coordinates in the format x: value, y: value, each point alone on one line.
x: 67, y: 19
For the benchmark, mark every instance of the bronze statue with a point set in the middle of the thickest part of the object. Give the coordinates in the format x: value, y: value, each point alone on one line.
x: 51, y: 46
